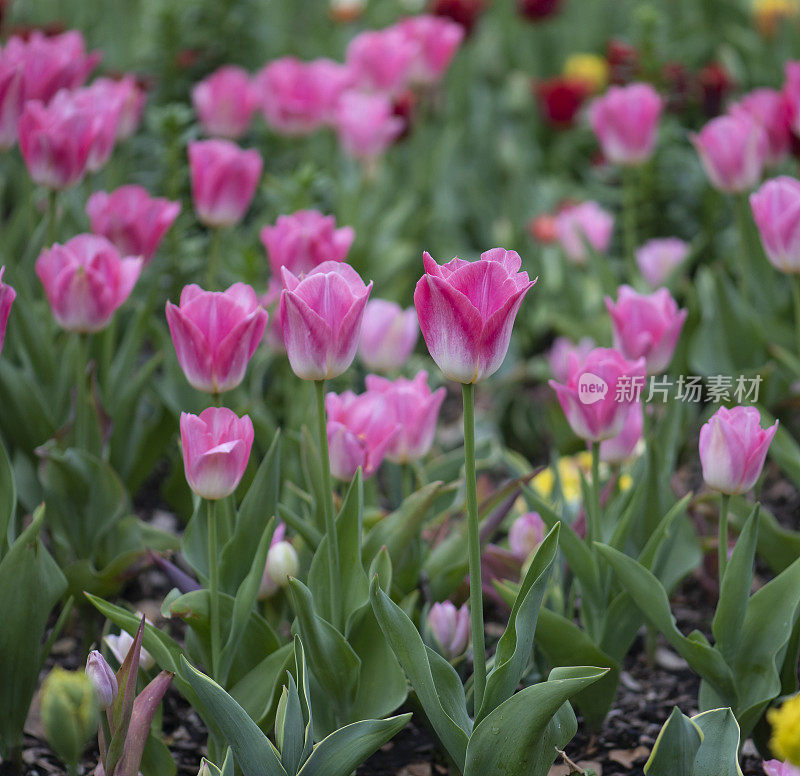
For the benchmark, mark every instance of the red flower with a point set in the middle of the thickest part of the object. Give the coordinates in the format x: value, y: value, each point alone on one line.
x: 715, y: 83
x: 560, y: 99
x: 536, y: 10
x: 677, y: 85
x: 465, y: 12
x: 623, y: 62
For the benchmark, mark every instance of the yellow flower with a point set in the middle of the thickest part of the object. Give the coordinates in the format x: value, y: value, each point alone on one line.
x: 543, y: 482
x: 569, y: 475
x: 785, y: 721
x: 625, y: 482
x: 769, y: 14
x: 589, y: 69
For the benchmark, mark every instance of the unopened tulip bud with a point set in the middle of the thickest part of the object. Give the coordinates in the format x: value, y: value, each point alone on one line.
x: 450, y: 628
x: 103, y: 679
x: 526, y: 534
x: 282, y: 563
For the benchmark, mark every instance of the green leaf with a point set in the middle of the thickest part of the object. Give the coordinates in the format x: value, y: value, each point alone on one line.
x: 414, y: 658
x: 675, y: 748
x: 254, y: 753
x: 8, y: 496
x: 512, y: 739
x: 345, y: 749
x: 719, y: 753
x: 255, y: 692
x: 290, y: 728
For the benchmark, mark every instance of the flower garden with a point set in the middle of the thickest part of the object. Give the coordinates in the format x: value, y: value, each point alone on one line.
x: 288, y: 490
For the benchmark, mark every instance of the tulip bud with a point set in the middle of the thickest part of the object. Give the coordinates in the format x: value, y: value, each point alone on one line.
x: 103, y: 678
x: 70, y: 712
x: 526, y: 534
x: 450, y: 628
x: 282, y: 563
x: 208, y: 769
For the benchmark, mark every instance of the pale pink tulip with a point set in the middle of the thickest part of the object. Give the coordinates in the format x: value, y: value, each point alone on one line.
x: 321, y: 314
x: 388, y: 335
x: 129, y: 97
x: 577, y: 225
x: 225, y: 102
x: 12, y: 100
x: 776, y: 210
x: 102, y: 678
x: 527, y: 532
x: 620, y: 448
x: 216, y: 447
x: 559, y: 355
x: 777, y: 768
x: 381, y: 60
x: 733, y: 447
x: 770, y: 108
x: 7, y: 297
x: 467, y: 309
x: 436, y: 40
x: 85, y: 281
x: 657, y: 259
x: 215, y: 334
x: 366, y: 124
x: 282, y: 563
x: 450, y: 628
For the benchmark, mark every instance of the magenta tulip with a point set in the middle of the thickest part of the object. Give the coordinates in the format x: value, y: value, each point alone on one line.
x: 85, y: 281
x: 414, y: 410
x: 12, y: 100
x: 621, y: 447
x: 225, y: 102
x: 360, y: 431
x: 625, y: 120
x: 366, y: 124
x: 778, y: 768
x: 215, y: 334
x: 561, y: 351
x: 216, y: 447
x: 131, y: 219
x: 769, y: 108
x: 776, y: 210
x: 598, y: 393
x: 467, y: 309
x: 388, y: 335
x: 449, y: 627
x: 657, y: 259
x: 321, y: 314
x: 733, y: 150
x: 7, y: 297
x: 224, y: 180
x: 436, y: 40
x: 733, y: 447
x: 580, y: 224
x: 791, y: 93
x: 646, y: 325
x: 129, y: 98
x: 381, y: 60
x: 298, y: 97
x: 527, y: 532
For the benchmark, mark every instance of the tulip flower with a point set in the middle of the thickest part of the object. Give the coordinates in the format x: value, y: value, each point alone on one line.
x: 769, y: 108
x: 360, y: 431
x: 388, y: 335
x: 224, y: 180
x: 12, y: 100
x: 778, y: 768
x: 463, y: 12
x: 366, y: 125
x: 715, y: 82
x: 321, y: 314
x: 791, y: 93
x: 298, y: 97
x: 381, y: 61
x: 538, y: 10
x: 623, y: 62
x: 225, y: 102
x: 776, y: 210
x: 128, y: 96
x: 414, y: 409
x: 436, y: 41
x: 282, y: 563
x: 559, y: 355
x: 625, y: 120
x: 621, y: 447
x: 449, y: 627
x: 560, y: 99
x: 215, y: 334
x: 85, y: 281
x: 589, y: 69
x: 580, y: 224
x: 216, y: 448
x: 527, y: 532
x: 120, y: 645
x: 657, y: 259
x: 646, y: 325
x: 131, y: 219
x: 102, y: 677
x: 467, y: 309
x: 7, y: 297
x: 733, y: 150
x: 598, y: 392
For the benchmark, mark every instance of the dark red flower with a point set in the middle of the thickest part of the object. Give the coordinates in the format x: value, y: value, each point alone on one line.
x: 623, y: 62
x: 405, y: 106
x: 677, y: 85
x: 465, y: 12
x: 536, y: 10
x: 715, y: 84
x: 560, y: 99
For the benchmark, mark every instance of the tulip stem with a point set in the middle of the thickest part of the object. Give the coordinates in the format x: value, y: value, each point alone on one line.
x: 52, y: 216
x: 629, y: 218
x: 741, y: 206
x: 213, y: 585
x: 330, y: 523
x: 474, y: 541
x: 593, y: 514
x: 723, y: 537
x: 796, y: 298
x: 213, y: 260
x: 81, y: 429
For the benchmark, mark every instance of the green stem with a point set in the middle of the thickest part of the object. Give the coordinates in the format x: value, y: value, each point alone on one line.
x: 722, y: 550
x: 474, y: 541
x: 593, y: 514
x: 741, y: 206
x: 52, y: 217
x: 212, y: 269
x: 796, y: 298
x: 213, y: 585
x: 81, y: 430
x: 330, y: 523
x: 629, y: 218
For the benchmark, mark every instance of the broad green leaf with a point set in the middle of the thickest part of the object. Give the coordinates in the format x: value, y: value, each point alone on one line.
x: 719, y: 753
x: 255, y: 691
x: 675, y: 748
x: 8, y: 496
x: 290, y: 727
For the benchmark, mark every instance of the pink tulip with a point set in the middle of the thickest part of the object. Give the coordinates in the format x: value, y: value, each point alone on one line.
x: 321, y: 314
x: 216, y: 447
x: 580, y: 224
x: 625, y: 120
x: 298, y: 97
x: 360, y: 431
x: 51, y: 63
x: 620, y: 448
x: 450, y: 628
x: 733, y: 447
x: 777, y: 768
x: 282, y: 563
x: 102, y: 678
x: 12, y: 100
x: 381, y: 60
x: 769, y: 108
x: 646, y: 326
x: 562, y: 349
x: 526, y: 534
x: 366, y: 124
x: 733, y: 150
x: 776, y: 210
x: 7, y: 297
x: 659, y: 258
x: 224, y: 180
x: 85, y: 281
x: 131, y: 219
x: 598, y: 393
x: 125, y: 93
x: 415, y: 411
x: 225, y: 102
x: 215, y: 334
x: 388, y: 335
x: 791, y: 93
x: 467, y: 309
x: 437, y: 40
